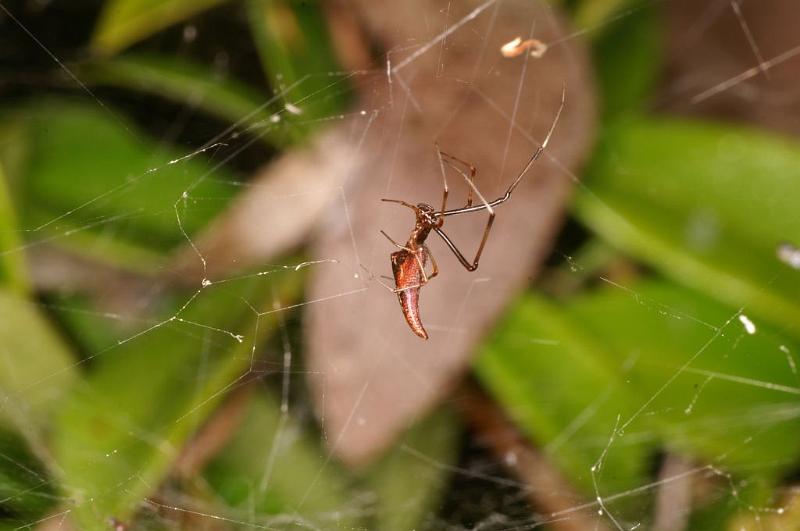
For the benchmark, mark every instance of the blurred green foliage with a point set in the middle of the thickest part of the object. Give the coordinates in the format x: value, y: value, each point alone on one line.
x: 135, y: 186
x: 12, y: 266
x: 124, y: 22
x: 606, y: 379
x: 614, y: 376
x: 706, y: 204
x: 90, y: 435
x: 123, y: 425
x: 610, y: 378
x: 181, y: 81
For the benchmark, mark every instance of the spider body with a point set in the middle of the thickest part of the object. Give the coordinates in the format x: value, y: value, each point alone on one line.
x: 408, y: 266
x: 408, y: 263
x: 409, y: 276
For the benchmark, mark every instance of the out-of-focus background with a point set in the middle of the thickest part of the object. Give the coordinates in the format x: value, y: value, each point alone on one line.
x: 197, y: 323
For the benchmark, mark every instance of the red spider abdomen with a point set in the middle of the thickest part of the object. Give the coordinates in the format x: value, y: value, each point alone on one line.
x: 408, y: 278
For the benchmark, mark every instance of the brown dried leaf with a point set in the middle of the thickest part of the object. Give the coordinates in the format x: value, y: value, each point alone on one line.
x: 370, y: 375
x: 274, y: 214
x: 734, y: 60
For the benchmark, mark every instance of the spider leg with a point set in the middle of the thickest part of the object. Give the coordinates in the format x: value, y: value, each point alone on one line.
x: 387, y: 286
x: 433, y: 263
x: 399, y: 202
x: 473, y: 171
x: 488, y: 205
x: 422, y: 266
x: 372, y: 277
x: 469, y: 266
x: 445, y: 190
x: 396, y: 244
x: 418, y: 256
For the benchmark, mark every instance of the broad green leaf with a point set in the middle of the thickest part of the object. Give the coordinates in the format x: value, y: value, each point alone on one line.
x: 91, y: 182
x: 183, y: 81
x: 568, y: 393
x: 296, y: 53
x: 89, y: 329
x: 13, y: 275
x: 27, y: 490
x: 628, y: 58
x: 705, y: 204
x: 273, y: 471
x: 118, y: 433
x: 36, y: 368
x: 409, y: 479
x: 711, y: 389
x: 36, y: 373
x: 124, y: 22
x: 659, y: 366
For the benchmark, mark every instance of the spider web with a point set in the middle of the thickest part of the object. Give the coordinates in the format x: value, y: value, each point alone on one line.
x: 261, y: 342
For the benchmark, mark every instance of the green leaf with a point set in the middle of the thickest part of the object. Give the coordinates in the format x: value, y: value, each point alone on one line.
x: 567, y: 392
x: 410, y: 478
x: 296, y: 53
x: 728, y: 396
x: 183, y: 81
x: 658, y: 366
x: 36, y: 368
x: 124, y: 22
x: 117, y: 435
x: 13, y: 274
x: 91, y: 182
x: 36, y: 373
x: 92, y: 330
x: 278, y: 474
x: 628, y: 58
x: 705, y: 204
x: 27, y: 490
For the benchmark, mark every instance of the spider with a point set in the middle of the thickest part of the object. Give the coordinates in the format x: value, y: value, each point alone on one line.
x: 408, y: 263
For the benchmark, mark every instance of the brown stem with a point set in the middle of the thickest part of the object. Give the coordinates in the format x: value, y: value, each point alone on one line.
x: 549, y: 492
x: 214, y: 435
x: 674, y: 496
